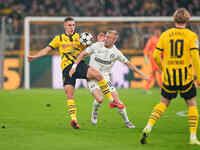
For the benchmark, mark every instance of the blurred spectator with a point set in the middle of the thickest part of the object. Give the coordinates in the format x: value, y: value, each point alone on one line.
x: 16, y: 10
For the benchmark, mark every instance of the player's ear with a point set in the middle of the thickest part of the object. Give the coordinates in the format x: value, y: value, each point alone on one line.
x: 116, y: 38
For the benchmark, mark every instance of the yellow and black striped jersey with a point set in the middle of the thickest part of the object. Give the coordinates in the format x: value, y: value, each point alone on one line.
x: 69, y: 48
x: 180, y: 48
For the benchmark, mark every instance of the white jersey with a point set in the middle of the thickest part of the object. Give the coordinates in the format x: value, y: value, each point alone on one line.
x: 103, y: 58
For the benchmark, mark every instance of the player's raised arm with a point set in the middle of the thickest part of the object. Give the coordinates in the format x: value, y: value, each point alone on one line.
x: 41, y: 53
x: 77, y: 61
x: 89, y: 50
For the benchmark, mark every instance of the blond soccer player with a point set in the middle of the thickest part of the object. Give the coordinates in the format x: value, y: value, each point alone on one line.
x: 181, y: 51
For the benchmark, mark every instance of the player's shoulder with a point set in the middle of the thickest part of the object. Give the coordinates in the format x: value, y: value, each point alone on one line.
x: 190, y: 32
x: 98, y: 44
x: 76, y: 34
x: 115, y: 48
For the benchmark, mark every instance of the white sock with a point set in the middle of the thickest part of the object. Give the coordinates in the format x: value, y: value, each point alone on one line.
x: 193, y: 136
x: 124, y: 114
x: 95, y: 106
x: 148, y: 126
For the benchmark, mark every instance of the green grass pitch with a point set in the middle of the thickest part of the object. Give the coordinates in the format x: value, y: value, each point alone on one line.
x: 27, y: 122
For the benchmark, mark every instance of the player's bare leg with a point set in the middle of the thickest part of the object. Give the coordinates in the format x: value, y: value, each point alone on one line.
x: 148, y: 84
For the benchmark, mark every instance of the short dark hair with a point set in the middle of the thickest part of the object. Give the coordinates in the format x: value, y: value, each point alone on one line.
x: 69, y: 19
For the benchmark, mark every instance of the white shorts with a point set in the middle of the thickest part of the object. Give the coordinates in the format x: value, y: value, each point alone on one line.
x: 93, y: 84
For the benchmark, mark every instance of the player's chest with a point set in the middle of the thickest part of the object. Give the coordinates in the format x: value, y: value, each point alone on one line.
x: 69, y: 42
x: 106, y: 54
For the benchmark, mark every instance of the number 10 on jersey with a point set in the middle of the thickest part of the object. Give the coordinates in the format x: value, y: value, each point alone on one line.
x: 177, y: 48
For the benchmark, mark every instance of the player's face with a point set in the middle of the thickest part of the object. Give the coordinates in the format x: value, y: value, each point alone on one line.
x: 110, y: 39
x: 157, y: 32
x: 69, y: 27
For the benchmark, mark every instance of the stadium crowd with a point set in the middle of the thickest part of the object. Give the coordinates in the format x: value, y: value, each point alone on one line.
x: 16, y: 10
x: 21, y: 8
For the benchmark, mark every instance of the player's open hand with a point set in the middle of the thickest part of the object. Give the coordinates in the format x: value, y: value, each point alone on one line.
x: 197, y: 84
x: 100, y: 37
x: 145, y: 77
x: 71, y: 72
x: 31, y: 58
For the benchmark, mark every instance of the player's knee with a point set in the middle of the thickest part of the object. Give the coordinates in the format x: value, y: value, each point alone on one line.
x: 69, y: 95
x: 99, y: 77
x: 94, y: 74
x: 100, y: 99
x: 191, y: 102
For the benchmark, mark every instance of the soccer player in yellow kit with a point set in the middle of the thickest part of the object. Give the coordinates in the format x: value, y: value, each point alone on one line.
x: 69, y: 47
x: 180, y: 47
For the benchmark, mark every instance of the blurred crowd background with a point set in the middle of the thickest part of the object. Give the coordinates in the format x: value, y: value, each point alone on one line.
x: 16, y: 10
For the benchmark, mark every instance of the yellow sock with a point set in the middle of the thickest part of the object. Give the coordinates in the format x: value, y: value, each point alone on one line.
x: 72, y: 109
x: 157, y: 112
x: 104, y: 88
x: 193, y: 119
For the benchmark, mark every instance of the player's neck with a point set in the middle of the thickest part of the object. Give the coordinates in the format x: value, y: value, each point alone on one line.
x: 68, y: 34
x: 180, y: 25
x: 108, y: 46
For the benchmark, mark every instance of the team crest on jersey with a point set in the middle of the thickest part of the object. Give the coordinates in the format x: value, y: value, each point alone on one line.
x: 112, y: 56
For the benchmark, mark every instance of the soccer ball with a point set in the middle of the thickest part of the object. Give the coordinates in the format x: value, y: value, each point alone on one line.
x: 86, y: 38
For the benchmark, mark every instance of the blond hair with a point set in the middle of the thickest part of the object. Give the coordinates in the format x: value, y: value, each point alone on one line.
x: 181, y: 16
x: 114, y: 32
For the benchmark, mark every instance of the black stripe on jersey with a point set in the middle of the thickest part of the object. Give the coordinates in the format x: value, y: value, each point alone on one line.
x: 64, y: 54
x: 159, y: 49
x: 168, y: 76
x: 194, y: 49
x: 174, y: 76
x: 180, y: 77
x: 51, y: 46
x: 186, y: 73
x: 70, y: 38
x: 61, y: 37
x: 70, y: 53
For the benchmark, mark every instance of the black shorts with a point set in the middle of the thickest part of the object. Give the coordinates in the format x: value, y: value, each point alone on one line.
x: 81, y: 73
x: 187, y: 92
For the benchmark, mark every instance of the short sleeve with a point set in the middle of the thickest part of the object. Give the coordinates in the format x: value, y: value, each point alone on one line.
x: 194, y: 42
x: 90, y: 49
x: 55, y: 42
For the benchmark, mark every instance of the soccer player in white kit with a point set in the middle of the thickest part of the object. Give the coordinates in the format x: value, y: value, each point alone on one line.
x: 103, y: 55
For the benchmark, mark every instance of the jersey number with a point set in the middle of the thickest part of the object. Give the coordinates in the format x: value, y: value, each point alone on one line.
x: 177, y: 48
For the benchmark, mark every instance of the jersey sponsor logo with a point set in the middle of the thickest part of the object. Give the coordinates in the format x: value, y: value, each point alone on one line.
x: 102, y: 61
x: 69, y: 45
x: 175, y: 62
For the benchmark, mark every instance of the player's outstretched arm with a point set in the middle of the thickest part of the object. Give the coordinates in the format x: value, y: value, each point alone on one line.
x: 134, y: 68
x: 77, y: 61
x: 41, y: 53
